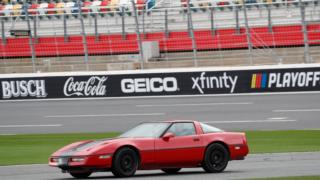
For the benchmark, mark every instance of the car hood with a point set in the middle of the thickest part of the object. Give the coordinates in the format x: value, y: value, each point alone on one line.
x: 84, y: 146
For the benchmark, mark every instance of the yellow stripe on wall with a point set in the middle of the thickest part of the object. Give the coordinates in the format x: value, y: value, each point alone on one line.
x: 253, y: 81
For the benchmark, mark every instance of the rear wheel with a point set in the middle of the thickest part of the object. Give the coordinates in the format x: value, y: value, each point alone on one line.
x: 80, y: 174
x: 125, y: 162
x: 216, y: 158
x: 171, y: 170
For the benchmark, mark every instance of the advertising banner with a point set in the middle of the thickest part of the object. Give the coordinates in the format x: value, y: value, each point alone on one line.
x: 161, y: 84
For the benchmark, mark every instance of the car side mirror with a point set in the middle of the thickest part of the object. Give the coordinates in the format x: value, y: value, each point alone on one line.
x: 167, y: 136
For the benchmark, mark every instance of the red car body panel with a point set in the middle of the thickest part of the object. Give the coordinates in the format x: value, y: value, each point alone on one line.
x: 154, y: 153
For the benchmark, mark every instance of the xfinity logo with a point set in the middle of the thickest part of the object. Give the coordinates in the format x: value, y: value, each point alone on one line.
x: 94, y: 86
x: 23, y: 88
x: 156, y: 84
x: 285, y: 80
x: 224, y: 81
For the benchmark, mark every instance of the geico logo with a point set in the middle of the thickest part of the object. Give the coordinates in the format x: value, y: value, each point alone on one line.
x: 139, y: 85
x: 33, y: 88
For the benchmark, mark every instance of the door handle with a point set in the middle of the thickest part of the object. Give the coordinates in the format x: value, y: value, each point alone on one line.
x: 196, y: 139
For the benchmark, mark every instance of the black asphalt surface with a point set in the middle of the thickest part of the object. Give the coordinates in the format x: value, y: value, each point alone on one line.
x: 240, y: 112
x: 244, y: 112
x: 263, y: 165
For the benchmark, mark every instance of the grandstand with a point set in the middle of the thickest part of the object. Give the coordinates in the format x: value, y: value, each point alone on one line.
x: 61, y: 34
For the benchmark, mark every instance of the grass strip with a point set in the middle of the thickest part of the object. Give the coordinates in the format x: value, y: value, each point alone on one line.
x: 290, y: 178
x: 283, y: 141
x: 36, y: 148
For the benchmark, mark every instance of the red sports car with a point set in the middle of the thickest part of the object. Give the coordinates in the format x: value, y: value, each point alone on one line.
x: 169, y: 146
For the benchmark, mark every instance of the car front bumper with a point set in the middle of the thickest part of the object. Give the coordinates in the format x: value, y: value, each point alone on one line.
x: 94, y: 162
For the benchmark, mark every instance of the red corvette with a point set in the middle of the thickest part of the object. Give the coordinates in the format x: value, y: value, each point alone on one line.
x: 169, y: 146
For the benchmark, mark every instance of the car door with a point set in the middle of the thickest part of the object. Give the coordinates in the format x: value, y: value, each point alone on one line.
x: 183, y: 149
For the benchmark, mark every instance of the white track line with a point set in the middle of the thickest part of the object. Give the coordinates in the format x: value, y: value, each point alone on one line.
x: 104, y: 115
x: 30, y: 125
x: 250, y: 121
x: 297, y: 110
x: 163, y: 96
x: 277, y: 118
x: 199, y: 104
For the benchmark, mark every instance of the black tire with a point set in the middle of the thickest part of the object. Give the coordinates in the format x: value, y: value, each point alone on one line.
x: 171, y: 170
x: 216, y: 158
x: 125, y: 163
x: 80, y: 175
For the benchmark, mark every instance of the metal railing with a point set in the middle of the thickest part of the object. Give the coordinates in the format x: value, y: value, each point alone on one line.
x: 136, y: 24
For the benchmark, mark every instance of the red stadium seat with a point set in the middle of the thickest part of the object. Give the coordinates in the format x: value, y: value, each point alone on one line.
x: 51, y: 8
x: 86, y: 6
x: 33, y: 9
x: 288, y: 36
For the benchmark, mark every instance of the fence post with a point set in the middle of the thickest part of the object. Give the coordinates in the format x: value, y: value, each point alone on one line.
x: 143, y: 24
x: 212, y: 21
x: 194, y: 46
x: 237, y: 19
x: 166, y: 27
x: 33, y: 56
x: 83, y: 34
x: 4, y: 40
x: 269, y: 18
x: 96, y: 33
x: 65, y: 35
x: 307, y: 58
x: 35, y: 29
x: 138, y: 33
x: 248, y: 33
x: 123, y: 25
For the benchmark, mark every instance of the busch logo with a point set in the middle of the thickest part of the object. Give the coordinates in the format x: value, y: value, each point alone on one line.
x: 94, y: 86
x: 156, y: 84
x: 23, y: 88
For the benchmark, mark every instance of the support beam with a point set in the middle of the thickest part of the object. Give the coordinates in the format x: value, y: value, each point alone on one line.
x: 3, y: 33
x: 123, y: 24
x: 269, y: 18
x: 138, y: 34
x: 65, y: 32
x: 166, y: 26
x: 212, y: 21
x: 96, y: 32
x: 307, y: 58
x: 236, y: 9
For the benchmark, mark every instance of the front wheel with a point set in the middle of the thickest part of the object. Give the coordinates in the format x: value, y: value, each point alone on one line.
x: 171, y: 170
x: 125, y: 162
x: 80, y: 175
x: 216, y: 158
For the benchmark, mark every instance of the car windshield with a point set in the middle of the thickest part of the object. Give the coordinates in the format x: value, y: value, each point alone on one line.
x: 209, y: 129
x: 146, y: 130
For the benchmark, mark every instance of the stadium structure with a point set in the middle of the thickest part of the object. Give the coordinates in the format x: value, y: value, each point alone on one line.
x: 49, y: 36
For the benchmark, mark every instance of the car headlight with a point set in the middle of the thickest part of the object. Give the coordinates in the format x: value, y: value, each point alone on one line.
x: 54, y: 160
x: 77, y: 159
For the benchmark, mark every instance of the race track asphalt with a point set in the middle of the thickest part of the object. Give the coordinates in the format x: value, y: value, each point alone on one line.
x: 263, y: 165
x: 239, y: 112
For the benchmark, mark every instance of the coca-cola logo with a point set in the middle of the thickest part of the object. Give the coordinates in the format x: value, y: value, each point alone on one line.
x: 94, y: 86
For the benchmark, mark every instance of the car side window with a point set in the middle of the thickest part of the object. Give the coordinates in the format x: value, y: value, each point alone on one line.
x: 182, y: 129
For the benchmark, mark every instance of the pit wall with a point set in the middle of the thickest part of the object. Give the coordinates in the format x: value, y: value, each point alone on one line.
x: 161, y: 82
